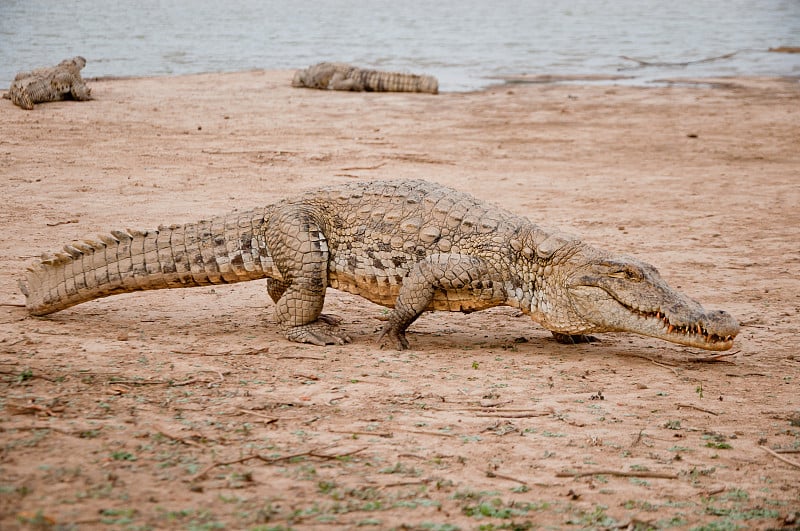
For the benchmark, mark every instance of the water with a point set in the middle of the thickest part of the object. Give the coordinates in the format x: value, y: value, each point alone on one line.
x: 465, y: 43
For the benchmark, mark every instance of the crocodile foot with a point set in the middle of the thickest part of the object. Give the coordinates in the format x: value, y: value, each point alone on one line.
x: 323, y: 331
x: 567, y: 339
x: 392, y: 337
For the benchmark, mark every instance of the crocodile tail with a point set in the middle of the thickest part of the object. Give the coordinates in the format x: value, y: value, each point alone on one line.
x: 378, y: 81
x: 220, y: 251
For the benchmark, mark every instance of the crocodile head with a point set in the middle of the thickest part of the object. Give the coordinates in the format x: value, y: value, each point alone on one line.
x: 620, y: 294
x: 299, y: 79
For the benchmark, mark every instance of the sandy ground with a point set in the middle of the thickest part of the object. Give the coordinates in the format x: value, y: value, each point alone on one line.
x: 186, y: 409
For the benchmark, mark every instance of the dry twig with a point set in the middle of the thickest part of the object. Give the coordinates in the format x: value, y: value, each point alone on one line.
x: 638, y: 438
x: 698, y: 408
x: 490, y: 474
x: 195, y: 380
x: 311, y: 377
x: 384, y: 434
x: 245, y: 352
x: 662, y: 364
x: 375, y: 167
x: 267, y: 420
x: 421, y: 432
x: 174, y: 437
x: 405, y: 484
x: 514, y: 414
x: 716, y: 358
x: 488, y: 409
x: 621, y: 473
x: 138, y: 382
x: 30, y: 409
x: 184, y: 382
x: 714, y: 491
x: 65, y: 222
x: 48, y: 426
x: 778, y: 456
x: 315, y: 452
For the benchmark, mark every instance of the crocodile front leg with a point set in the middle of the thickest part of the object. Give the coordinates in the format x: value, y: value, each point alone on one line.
x: 299, y: 249
x: 452, y: 281
x: 573, y: 339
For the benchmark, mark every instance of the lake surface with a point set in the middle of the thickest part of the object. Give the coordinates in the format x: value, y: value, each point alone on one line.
x: 464, y: 43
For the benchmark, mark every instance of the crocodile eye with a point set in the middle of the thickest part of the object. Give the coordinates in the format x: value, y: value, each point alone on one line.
x: 626, y: 274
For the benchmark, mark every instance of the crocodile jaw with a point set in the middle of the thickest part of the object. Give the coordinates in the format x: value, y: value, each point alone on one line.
x: 689, y: 324
x: 620, y: 294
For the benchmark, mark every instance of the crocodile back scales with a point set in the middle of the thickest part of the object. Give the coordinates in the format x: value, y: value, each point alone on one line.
x: 375, y: 234
x: 378, y: 231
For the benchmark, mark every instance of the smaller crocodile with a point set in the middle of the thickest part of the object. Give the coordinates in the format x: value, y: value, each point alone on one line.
x: 54, y: 83
x: 340, y: 76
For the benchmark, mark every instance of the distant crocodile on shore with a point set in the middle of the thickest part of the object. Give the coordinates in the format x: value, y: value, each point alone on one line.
x: 60, y: 82
x: 340, y: 76
x: 408, y: 245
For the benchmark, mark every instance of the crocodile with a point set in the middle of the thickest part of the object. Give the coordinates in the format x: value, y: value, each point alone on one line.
x: 411, y: 246
x: 54, y: 83
x: 340, y: 76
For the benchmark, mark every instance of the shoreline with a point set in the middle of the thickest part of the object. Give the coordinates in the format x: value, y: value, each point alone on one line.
x: 494, y: 82
x: 639, y: 72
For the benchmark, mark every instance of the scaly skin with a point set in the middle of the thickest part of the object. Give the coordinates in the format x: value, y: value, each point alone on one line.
x: 59, y: 82
x: 408, y: 245
x: 339, y: 76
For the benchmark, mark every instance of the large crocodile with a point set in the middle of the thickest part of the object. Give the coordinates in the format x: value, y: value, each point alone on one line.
x: 408, y: 245
x: 340, y: 76
x: 53, y: 83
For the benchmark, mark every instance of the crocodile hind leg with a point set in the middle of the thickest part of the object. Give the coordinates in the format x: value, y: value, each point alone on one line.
x: 465, y: 280
x: 340, y: 82
x: 300, y: 251
x: 276, y: 289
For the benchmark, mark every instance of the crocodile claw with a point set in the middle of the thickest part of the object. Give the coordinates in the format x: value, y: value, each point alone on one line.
x: 392, y: 337
x: 323, y: 331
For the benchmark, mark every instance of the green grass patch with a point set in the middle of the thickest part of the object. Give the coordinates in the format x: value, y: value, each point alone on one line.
x: 123, y: 456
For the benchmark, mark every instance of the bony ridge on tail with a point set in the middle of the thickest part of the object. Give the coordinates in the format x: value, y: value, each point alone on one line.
x: 412, y: 246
